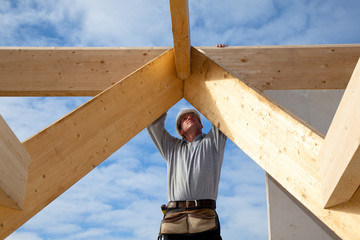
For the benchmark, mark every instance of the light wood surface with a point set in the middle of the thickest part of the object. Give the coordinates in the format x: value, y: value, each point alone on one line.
x: 88, y: 71
x: 68, y: 71
x: 340, y: 155
x: 14, y: 167
x: 284, y: 146
x: 289, y: 67
x: 181, y: 35
x: 71, y: 147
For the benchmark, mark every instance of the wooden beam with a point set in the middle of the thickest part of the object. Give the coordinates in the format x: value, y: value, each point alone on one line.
x: 88, y: 71
x: 68, y: 71
x: 340, y: 154
x: 14, y: 166
x: 181, y: 34
x: 289, y: 67
x: 70, y: 148
x: 279, y: 142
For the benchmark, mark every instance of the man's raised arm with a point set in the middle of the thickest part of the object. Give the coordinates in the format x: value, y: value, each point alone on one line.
x: 163, y: 141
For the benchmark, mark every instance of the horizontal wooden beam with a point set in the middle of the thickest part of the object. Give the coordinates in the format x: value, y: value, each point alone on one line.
x: 68, y: 71
x: 181, y: 35
x: 340, y: 154
x: 88, y: 71
x: 289, y: 67
x: 14, y: 167
x: 284, y: 146
x: 70, y: 148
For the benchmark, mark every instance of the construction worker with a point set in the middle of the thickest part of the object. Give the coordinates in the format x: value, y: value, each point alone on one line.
x: 194, y: 165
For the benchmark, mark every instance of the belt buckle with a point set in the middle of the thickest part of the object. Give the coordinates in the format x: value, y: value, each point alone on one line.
x: 188, y: 202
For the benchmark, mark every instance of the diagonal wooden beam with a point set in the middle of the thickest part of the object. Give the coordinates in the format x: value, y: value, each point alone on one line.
x: 284, y: 146
x: 14, y: 166
x: 181, y: 35
x: 68, y: 71
x: 340, y: 154
x: 70, y: 148
x: 289, y: 67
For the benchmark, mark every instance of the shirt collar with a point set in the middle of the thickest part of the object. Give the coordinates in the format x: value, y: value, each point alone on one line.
x: 197, y: 138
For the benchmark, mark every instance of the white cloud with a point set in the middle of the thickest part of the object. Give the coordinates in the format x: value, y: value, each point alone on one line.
x: 85, y: 23
x: 274, y: 22
x: 92, y: 233
x: 125, y: 23
x: 24, y: 235
x: 27, y: 116
x: 218, y: 16
x: 38, y: 22
x: 225, y: 21
x: 147, y: 23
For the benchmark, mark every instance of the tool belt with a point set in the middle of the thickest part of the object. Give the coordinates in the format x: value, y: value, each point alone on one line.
x: 188, y: 217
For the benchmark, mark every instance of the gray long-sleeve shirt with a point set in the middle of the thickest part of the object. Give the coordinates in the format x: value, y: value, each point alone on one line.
x: 193, y: 169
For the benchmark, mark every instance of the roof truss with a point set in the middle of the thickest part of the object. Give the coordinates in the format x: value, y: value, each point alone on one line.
x: 228, y: 93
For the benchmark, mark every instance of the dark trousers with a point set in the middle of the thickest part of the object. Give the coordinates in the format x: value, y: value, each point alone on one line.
x: 209, y: 235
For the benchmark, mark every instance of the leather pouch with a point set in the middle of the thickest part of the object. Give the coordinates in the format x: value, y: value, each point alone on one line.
x: 189, y: 221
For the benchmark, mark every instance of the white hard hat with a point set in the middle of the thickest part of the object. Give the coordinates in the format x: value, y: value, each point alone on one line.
x: 182, y: 113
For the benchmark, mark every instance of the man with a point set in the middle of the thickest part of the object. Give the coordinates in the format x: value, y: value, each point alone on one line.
x: 194, y: 166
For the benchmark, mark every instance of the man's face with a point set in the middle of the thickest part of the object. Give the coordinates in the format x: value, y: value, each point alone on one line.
x: 189, y: 121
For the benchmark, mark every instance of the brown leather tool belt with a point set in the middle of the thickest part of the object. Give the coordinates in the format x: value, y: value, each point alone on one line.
x: 204, y: 203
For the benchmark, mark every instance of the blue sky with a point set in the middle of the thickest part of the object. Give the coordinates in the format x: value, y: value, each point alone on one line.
x: 104, y: 204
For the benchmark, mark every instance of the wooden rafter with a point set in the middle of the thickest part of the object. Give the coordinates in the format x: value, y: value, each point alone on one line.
x: 340, y: 155
x: 89, y: 71
x: 14, y: 165
x: 71, y: 147
x: 279, y: 142
x: 289, y: 67
x: 68, y: 71
x: 181, y: 35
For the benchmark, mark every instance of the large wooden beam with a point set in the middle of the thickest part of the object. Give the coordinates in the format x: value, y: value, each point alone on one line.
x: 181, y: 34
x: 68, y: 71
x: 14, y: 166
x: 71, y: 147
x: 88, y: 71
x: 340, y: 154
x: 281, y: 144
x: 289, y: 67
